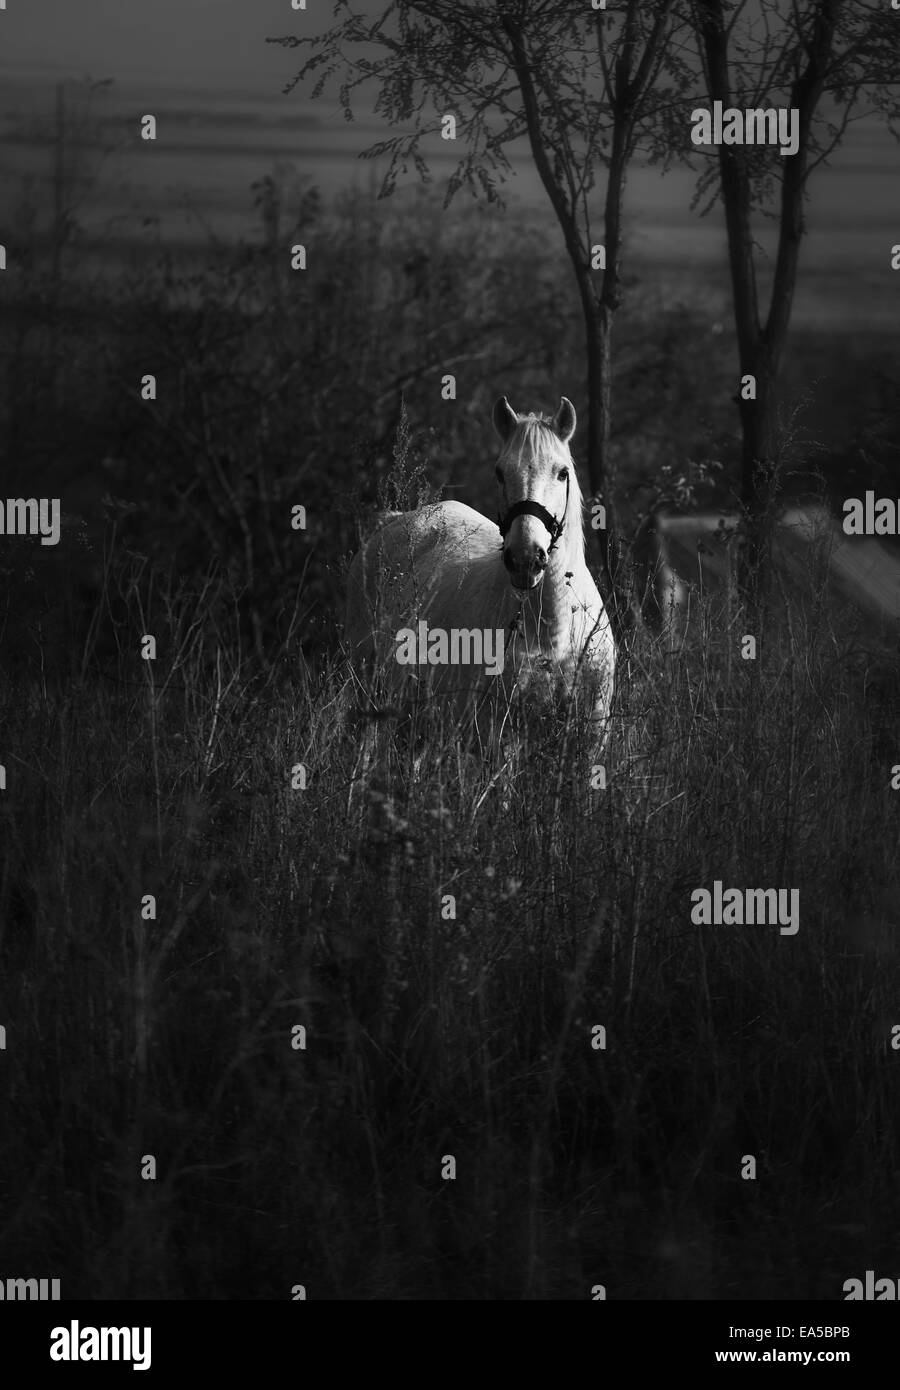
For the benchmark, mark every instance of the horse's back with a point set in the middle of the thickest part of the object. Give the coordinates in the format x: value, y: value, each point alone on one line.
x: 397, y: 571
x: 458, y: 532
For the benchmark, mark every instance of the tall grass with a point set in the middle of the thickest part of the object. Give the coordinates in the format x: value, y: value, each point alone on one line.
x: 427, y: 1036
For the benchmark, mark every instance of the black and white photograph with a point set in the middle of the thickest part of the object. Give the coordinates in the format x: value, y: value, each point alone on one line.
x: 450, y: 651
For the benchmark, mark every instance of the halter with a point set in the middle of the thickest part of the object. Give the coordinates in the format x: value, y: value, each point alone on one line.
x: 527, y: 507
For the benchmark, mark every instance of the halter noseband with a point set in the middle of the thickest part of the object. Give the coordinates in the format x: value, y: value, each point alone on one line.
x: 529, y: 508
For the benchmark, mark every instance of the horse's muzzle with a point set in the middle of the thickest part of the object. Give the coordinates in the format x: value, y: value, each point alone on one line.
x: 526, y: 571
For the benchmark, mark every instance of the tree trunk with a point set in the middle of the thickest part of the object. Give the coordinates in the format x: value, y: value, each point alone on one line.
x: 599, y: 313
x: 597, y: 316
x: 758, y: 427
x: 760, y: 348
x: 756, y: 415
x: 599, y: 355
x: 598, y: 331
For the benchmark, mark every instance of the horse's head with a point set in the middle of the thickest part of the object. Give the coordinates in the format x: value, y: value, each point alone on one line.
x: 536, y: 477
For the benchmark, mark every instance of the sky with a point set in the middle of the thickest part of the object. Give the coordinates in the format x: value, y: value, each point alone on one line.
x: 203, y: 42
x: 212, y: 54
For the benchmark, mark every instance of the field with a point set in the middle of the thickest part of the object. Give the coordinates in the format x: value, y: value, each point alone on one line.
x: 175, y: 905
x: 472, y: 1037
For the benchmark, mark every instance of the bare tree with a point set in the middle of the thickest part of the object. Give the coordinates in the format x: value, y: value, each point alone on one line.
x: 831, y: 61
x: 585, y: 88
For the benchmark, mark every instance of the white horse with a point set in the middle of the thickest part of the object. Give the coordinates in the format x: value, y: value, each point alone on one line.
x: 487, y: 619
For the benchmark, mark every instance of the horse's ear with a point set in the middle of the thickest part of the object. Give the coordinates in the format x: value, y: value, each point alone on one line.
x: 564, y: 420
x: 504, y: 418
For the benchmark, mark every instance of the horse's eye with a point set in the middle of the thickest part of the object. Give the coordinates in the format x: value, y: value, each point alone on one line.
x: 562, y: 475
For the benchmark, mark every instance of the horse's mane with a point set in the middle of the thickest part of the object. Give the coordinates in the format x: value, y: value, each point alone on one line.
x: 536, y: 432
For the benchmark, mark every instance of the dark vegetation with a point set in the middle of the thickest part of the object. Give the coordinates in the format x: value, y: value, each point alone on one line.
x: 425, y: 1037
